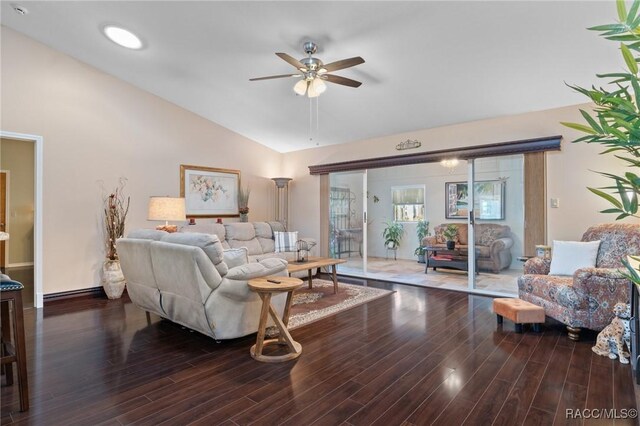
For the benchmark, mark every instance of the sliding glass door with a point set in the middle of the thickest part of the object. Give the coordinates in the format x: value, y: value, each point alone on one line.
x: 348, y: 221
x: 495, y: 220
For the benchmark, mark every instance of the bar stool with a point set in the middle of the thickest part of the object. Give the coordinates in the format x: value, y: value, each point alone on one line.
x: 14, y: 350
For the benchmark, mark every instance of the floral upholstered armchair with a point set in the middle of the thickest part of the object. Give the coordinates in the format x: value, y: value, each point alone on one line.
x: 586, y: 299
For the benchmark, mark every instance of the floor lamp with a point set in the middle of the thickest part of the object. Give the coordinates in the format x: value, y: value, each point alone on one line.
x: 282, y: 199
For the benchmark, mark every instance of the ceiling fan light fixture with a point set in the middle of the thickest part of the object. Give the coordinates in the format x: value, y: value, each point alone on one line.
x: 317, y: 86
x: 300, y: 87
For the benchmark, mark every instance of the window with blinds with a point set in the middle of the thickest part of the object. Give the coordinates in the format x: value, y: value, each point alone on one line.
x: 408, y: 203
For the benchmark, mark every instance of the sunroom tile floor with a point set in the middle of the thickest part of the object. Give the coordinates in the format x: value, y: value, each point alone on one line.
x: 412, y: 272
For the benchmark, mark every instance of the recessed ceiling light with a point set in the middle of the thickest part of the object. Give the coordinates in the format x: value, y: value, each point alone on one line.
x: 122, y: 37
x: 21, y: 10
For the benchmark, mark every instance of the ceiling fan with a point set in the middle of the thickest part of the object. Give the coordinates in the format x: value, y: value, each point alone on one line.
x: 314, y: 73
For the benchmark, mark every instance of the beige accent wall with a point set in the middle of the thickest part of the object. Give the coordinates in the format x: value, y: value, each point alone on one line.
x: 98, y: 128
x: 17, y: 157
x: 568, y: 171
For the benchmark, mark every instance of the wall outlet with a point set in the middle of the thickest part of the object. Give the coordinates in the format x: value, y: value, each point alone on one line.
x: 555, y: 203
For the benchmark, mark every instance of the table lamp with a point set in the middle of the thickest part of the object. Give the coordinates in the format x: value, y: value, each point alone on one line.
x: 166, y: 208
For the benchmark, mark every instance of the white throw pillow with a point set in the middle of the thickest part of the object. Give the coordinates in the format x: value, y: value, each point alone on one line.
x: 285, y: 241
x: 569, y: 256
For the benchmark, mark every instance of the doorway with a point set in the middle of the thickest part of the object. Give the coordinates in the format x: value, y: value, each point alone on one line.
x: 348, y: 219
x: 21, y: 198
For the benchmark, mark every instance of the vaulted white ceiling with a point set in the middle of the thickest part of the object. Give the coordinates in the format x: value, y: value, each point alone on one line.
x: 428, y: 64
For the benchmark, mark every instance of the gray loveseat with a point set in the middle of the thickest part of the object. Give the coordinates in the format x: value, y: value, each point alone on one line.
x: 189, y: 279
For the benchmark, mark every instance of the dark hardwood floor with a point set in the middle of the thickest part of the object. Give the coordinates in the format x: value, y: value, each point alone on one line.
x: 420, y: 356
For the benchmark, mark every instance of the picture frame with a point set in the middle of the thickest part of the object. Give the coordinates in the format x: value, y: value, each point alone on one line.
x: 209, y: 192
x: 489, y: 200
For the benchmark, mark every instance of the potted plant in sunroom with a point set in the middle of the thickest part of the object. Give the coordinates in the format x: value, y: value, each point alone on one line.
x: 392, y: 235
x: 116, y: 207
x: 450, y: 233
x: 422, y: 230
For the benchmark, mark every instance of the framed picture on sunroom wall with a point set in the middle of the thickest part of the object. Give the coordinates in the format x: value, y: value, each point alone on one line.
x: 489, y: 200
x: 210, y: 192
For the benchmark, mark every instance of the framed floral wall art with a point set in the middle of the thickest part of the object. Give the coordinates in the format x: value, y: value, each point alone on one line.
x: 210, y: 192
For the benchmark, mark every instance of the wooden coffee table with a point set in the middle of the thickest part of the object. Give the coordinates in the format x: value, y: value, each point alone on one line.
x: 451, y: 259
x: 317, y: 262
x: 267, y: 287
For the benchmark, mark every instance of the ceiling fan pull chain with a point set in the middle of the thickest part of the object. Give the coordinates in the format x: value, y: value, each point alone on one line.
x: 317, y: 121
x: 310, y: 120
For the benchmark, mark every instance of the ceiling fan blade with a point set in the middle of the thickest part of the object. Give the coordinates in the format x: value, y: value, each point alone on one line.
x: 341, y: 80
x: 290, y: 59
x: 275, y: 76
x: 345, y: 63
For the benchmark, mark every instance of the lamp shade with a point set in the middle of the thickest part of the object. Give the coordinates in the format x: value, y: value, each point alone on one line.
x: 301, y: 87
x: 166, y: 208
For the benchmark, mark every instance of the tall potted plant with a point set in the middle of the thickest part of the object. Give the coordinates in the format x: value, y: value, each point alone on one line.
x: 392, y: 234
x: 422, y: 230
x: 116, y: 207
x: 243, y: 203
x: 615, y: 124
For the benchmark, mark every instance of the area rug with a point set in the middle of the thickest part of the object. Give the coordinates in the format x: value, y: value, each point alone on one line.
x: 312, y: 305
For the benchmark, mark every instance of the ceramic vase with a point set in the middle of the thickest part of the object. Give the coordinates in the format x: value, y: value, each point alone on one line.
x: 112, y: 279
x: 451, y: 245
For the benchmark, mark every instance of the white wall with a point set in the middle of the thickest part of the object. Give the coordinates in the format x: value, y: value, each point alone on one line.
x: 98, y: 128
x: 568, y: 171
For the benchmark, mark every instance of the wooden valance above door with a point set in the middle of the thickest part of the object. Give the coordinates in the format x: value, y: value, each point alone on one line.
x: 550, y: 143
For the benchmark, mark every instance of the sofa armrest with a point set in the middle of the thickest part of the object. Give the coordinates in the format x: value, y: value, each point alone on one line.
x: 537, y: 266
x: 586, y: 279
x: 271, y: 266
x: 234, y: 285
x: 429, y: 240
x: 500, y: 244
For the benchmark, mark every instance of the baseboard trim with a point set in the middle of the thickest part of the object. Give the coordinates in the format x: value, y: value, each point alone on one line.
x: 19, y: 265
x: 92, y: 292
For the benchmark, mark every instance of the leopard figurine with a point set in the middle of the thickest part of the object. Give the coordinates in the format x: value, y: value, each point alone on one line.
x: 612, y: 338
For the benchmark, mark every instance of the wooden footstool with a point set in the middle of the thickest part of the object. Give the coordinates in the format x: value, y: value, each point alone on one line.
x: 520, y: 312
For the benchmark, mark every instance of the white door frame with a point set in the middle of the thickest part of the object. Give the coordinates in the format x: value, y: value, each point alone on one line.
x: 37, y: 261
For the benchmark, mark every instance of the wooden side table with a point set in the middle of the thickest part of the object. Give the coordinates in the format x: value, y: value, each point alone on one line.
x: 266, y: 287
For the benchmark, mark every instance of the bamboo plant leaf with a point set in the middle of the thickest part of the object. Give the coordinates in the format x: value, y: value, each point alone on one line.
x: 622, y: 10
x: 629, y: 59
x: 579, y: 127
x: 610, y: 198
x: 632, y: 16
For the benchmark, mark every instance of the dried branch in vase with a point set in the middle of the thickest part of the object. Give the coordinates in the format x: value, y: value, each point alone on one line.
x: 243, y: 200
x: 115, y: 214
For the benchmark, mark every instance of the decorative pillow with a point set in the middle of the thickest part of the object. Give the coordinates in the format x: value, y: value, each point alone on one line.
x: 235, y: 257
x: 569, y: 256
x: 440, y: 238
x: 285, y: 241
